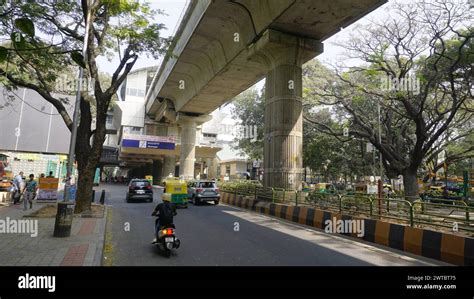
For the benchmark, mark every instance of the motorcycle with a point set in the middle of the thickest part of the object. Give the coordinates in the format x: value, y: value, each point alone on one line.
x: 167, y: 240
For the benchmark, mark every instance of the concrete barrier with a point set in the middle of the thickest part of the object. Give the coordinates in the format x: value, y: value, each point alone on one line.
x: 454, y: 249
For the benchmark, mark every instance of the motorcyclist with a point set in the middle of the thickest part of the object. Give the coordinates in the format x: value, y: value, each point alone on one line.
x: 164, y: 212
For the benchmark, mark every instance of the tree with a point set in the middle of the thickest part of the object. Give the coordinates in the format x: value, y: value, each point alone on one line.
x: 457, y: 157
x: 47, y: 38
x: 430, y: 45
x: 330, y: 155
x: 249, y: 108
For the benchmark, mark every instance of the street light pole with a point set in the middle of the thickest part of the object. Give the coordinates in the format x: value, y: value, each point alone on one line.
x: 72, y: 144
x: 64, y: 215
x: 380, y: 141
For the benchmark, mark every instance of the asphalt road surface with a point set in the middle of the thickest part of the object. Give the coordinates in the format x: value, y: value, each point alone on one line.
x: 226, y: 236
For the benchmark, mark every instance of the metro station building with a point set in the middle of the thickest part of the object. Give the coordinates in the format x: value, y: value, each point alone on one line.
x: 154, y: 147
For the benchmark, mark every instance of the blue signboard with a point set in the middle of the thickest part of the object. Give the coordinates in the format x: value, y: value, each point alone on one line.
x: 148, y: 144
x: 160, y: 145
x: 130, y: 143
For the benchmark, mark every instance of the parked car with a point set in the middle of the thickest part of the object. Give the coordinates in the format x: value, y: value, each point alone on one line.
x: 203, y: 190
x: 139, y: 189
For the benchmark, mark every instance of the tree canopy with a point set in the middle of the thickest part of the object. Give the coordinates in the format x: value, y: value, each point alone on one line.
x: 418, y: 68
x: 44, y: 40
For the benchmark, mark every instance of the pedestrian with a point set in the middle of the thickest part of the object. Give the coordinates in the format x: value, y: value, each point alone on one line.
x: 30, y: 192
x: 42, y: 175
x: 50, y: 175
x: 17, y: 187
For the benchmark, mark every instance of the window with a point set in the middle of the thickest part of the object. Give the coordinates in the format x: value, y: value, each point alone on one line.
x: 132, y: 91
x: 109, y: 119
x: 141, y: 184
x: 207, y: 185
x: 135, y: 129
x: 227, y: 169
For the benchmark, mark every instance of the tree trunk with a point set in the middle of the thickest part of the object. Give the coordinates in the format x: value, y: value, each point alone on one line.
x: 85, y: 184
x: 410, y: 184
x: 87, y: 155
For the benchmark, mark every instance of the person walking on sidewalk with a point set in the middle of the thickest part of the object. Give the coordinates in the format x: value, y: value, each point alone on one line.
x: 17, y: 186
x: 30, y: 192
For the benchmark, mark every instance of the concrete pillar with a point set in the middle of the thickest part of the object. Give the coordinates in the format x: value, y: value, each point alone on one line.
x: 148, y: 169
x: 201, y: 171
x: 157, y: 171
x: 283, y: 55
x: 211, y: 168
x: 283, y: 146
x: 188, y: 142
x: 188, y: 149
x: 169, y: 163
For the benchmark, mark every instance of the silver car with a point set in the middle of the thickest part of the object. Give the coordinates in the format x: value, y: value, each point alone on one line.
x: 200, y: 191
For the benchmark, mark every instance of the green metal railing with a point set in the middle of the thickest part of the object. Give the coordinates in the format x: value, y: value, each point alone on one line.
x: 409, y: 210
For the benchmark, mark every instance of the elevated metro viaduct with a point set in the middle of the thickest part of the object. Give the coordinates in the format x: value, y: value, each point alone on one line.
x: 223, y: 47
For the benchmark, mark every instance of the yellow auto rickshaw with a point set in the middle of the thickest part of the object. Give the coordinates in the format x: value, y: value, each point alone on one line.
x: 176, y: 190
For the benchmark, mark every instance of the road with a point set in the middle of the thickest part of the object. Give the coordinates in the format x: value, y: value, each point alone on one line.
x: 209, y: 238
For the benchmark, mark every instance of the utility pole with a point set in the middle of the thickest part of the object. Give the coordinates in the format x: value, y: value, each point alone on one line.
x: 62, y: 227
x: 72, y: 144
x: 380, y: 142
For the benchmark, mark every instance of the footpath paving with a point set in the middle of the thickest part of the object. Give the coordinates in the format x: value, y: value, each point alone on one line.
x: 83, y: 248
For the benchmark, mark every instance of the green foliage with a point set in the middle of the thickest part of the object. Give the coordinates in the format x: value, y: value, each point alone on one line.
x: 249, y: 108
x: 3, y: 54
x: 18, y: 40
x: 25, y: 25
x: 238, y: 184
x: 47, y: 38
x: 415, y: 121
x: 78, y: 58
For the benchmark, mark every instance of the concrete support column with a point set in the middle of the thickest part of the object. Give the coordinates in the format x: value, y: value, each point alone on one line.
x: 201, y: 170
x: 157, y: 171
x: 169, y: 163
x: 148, y: 169
x: 188, y: 149
x: 283, y: 54
x: 188, y: 142
x: 211, y: 168
x: 283, y: 146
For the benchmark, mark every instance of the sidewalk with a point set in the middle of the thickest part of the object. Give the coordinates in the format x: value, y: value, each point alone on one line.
x: 83, y: 248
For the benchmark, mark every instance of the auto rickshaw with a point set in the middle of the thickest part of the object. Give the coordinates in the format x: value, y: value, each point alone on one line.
x: 325, y: 188
x: 177, y: 191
